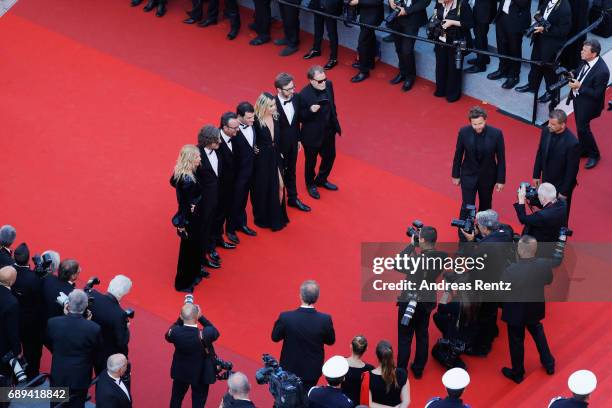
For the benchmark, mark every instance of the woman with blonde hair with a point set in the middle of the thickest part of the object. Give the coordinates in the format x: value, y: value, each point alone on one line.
x: 187, y: 219
x: 389, y: 386
x: 268, y: 198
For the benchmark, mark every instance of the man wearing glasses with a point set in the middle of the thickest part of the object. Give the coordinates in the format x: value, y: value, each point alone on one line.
x: 288, y: 106
x: 319, y: 127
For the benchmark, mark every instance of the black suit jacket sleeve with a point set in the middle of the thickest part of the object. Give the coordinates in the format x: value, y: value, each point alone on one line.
x: 571, y: 169
x: 459, y: 150
x: 305, y: 113
x: 369, y: 3
x: 537, y: 166
x: 467, y: 17
x: 598, y: 85
x: 12, y: 323
x: 330, y: 333
x: 501, y: 159
x: 534, y: 220
x: 278, y: 331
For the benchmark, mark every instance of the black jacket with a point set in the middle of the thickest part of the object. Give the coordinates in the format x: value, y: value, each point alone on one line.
x: 371, y: 11
x: 52, y: 287
x: 73, y: 341
x: 28, y: 291
x: 543, y: 225
x: 6, y: 257
x: 560, y: 19
x: 193, y: 359
x: 303, y: 331
x: 416, y: 14
x: 426, y: 299
x: 592, y: 93
x: 488, y: 169
x: 484, y: 11
x: 228, y: 176
x: 290, y: 132
x: 109, y: 394
x: 9, y: 327
x: 462, y: 13
x: 209, y: 183
x: 497, y: 251
x: 559, y: 165
x: 244, y: 157
x: 107, y: 312
x: 527, y: 278
x: 519, y: 14
x: 313, y: 125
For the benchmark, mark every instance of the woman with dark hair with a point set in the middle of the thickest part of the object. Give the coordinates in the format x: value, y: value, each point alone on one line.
x: 389, y: 386
x: 268, y: 198
x: 352, y: 380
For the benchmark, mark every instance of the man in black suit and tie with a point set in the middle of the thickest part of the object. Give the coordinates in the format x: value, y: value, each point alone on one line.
x: 7, y: 237
x: 193, y: 362
x: 479, y: 164
x: 208, y: 175
x: 513, y: 18
x: 525, y: 307
x: 558, y: 157
x: 74, y: 341
x: 319, y: 128
x: 588, y: 93
x: 484, y: 13
x: 111, y: 391
x: 304, y: 332
x: 288, y: 107
x: 9, y: 324
x: 67, y: 274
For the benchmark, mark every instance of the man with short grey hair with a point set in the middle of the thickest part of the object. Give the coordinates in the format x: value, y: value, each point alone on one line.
x: 73, y: 340
x: 7, y: 237
x: 304, y: 332
x: 111, y: 390
x: 238, y: 392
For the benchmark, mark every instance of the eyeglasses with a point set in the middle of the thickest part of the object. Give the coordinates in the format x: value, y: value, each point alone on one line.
x: 288, y: 89
x: 320, y: 81
x: 233, y: 127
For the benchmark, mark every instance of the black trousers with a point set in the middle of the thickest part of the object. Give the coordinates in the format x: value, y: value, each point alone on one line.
x: 448, y: 77
x: 327, y: 151
x: 263, y: 18
x: 481, y: 42
x: 32, y: 341
x: 199, y: 393
x: 331, y: 25
x: 419, y: 326
x: 509, y: 42
x: 516, y: 340
x: 586, y: 137
x: 487, y: 326
x: 291, y: 24
x: 230, y: 11
x: 485, y: 195
x: 366, y: 47
x: 290, y: 155
x: 542, y: 51
x: 404, y: 47
x: 197, y: 9
x: 238, y: 216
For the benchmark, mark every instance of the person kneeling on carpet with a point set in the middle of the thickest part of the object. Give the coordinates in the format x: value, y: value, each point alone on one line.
x: 237, y: 395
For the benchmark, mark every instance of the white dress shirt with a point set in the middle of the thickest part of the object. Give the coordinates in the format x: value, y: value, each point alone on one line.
x: 228, y: 140
x: 549, y: 8
x: 121, y: 385
x: 211, y: 155
x: 287, y: 108
x: 506, y: 6
x: 247, y: 131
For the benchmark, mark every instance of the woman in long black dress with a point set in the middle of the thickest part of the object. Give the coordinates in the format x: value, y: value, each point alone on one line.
x: 187, y: 219
x: 268, y: 198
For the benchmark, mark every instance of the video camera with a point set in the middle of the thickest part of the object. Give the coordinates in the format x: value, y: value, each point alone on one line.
x: 17, y: 365
x: 539, y: 22
x: 223, y: 369
x: 531, y: 194
x: 434, y: 28
x: 468, y: 220
x: 400, y: 4
x: 566, y: 77
x: 42, y: 264
x: 286, y: 388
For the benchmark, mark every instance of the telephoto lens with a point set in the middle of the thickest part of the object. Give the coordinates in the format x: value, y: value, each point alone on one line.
x: 189, y: 298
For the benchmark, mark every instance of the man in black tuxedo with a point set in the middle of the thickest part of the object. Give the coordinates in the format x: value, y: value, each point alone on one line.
x: 304, y: 332
x: 231, y: 11
x: 526, y: 307
x: 288, y: 108
x: 67, y: 274
x: 111, y: 391
x: 208, y: 175
x: 9, y: 324
x: 558, y: 157
x: 484, y: 13
x: 546, y: 44
x: 371, y: 12
x: 479, y: 163
x: 107, y: 312
x: 588, y: 93
x: 408, y: 21
x: 193, y: 362
x: 7, y: 237
x: 319, y: 128
x: 28, y: 291
x: 513, y: 18
x: 74, y: 341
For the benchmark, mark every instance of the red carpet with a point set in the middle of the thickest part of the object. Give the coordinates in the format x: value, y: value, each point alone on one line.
x: 97, y: 100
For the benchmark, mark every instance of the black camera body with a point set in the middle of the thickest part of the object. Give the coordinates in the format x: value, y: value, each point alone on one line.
x: 539, y: 22
x: 565, y: 75
x: 414, y: 230
x: 394, y: 13
x: 17, y: 366
x: 531, y: 194
x: 93, y: 281
x: 434, y: 28
x: 223, y: 369
x: 468, y: 220
x: 42, y: 264
x: 129, y: 313
x: 559, y: 250
x: 286, y: 388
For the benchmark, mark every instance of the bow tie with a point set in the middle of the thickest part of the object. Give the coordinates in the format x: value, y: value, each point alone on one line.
x: 286, y: 102
x: 229, y: 141
x: 244, y: 126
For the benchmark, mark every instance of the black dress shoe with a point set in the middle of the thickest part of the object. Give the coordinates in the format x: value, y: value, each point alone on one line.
x: 592, y: 162
x: 312, y: 53
x: 545, y: 98
x: 418, y: 374
x: 510, y: 83
x: 356, y: 65
x: 398, y: 79
x: 281, y: 41
x: 149, y: 6
x: 298, y: 204
x: 232, y: 34
x: 207, y: 22
x: 248, y: 231
x: 212, y: 264
x: 313, y: 192
x: 287, y: 51
x: 214, y: 255
x: 472, y: 61
x: 389, y: 38
x: 550, y: 370
x: 225, y: 245
x: 524, y: 88
x: 474, y: 69
x: 328, y: 186
x: 161, y: 10
x: 190, y: 20
x: 408, y: 84
x: 259, y: 40
x: 233, y: 237
x: 508, y: 373
x: 135, y: 3
x: 330, y: 64
x: 362, y: 76
x: 496, y: 75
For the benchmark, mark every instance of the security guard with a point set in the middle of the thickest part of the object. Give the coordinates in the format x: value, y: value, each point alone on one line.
x: 581, y: 383
x: 455, y: 380
x: 331, y: 396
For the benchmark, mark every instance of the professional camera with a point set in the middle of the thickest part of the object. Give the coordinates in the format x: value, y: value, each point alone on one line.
x: 413, y: 231
x: 412, y: 299
x: 285, y: 387
x: 129, y: 313
x: 566, y: 77
x: 93, y: 281
x: 539, y: 22
x: 350, y: 13
x: 42, y: 264
x: 400, y: 4
x: 223, y: 369
x: 559, y: 250
x: 531, y: 194
x: 434, y: 28
x: 447, y: 352
x: 460, y: 47
x: 17, y: 365
x: 468, y: 219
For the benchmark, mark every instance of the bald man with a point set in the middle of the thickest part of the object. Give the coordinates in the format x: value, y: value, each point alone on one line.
x: 238, y: 389
x: 9, y: 323
x: 111, y: 391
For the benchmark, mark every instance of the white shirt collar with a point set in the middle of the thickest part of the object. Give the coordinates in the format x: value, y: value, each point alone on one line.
x: 208, y: 151
x: 190, y: 325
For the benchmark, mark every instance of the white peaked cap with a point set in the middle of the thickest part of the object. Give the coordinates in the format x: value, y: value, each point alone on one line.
x: 456, y: 379
x: 582, y: 382
x: 335, y: 367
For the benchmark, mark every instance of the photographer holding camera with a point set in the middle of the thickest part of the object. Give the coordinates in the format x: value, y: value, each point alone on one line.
x: 113, y: 320
x: 237, y: 395
x: 54, y: 286
x: 557, y: 158
x: 9, y: 326
x: 553, y: 22
x: 414, y: 320
x: 193, y: 362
